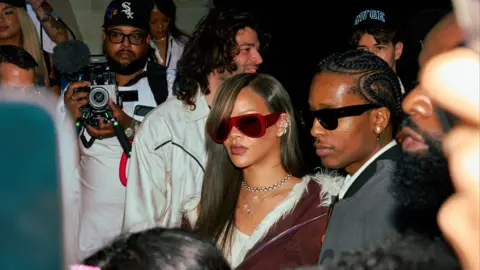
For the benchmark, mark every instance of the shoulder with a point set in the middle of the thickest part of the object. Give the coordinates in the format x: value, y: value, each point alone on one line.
x: 180, y: 41
x: 156, y: 126
x: 325, y: 183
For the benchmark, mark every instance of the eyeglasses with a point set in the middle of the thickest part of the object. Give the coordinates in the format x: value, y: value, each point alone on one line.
x: 328, y: 118
x: 252, y: 125
x: 118, y: 37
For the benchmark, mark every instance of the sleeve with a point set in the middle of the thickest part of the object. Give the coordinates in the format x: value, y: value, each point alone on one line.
x: 61, y: 109
x: 148, y: 194
x: 48, y: 44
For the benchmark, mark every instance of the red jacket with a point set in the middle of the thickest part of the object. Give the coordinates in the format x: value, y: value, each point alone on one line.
x: 292, y: 236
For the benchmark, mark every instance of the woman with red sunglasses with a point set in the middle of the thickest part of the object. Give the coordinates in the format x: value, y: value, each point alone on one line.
x: 254, y: 202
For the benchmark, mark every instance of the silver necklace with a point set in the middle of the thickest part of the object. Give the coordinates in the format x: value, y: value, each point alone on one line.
x: 263, y: 189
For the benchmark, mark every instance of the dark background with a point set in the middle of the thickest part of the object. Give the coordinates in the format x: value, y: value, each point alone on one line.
x: 303, y: 32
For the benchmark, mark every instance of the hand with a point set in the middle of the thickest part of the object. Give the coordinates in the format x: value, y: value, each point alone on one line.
x: 74, y: 99
x: 105, y: 130
x: 35, y: 3
x: 452, y: 80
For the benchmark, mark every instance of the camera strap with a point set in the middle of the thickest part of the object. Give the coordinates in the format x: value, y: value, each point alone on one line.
x: 157, y: 79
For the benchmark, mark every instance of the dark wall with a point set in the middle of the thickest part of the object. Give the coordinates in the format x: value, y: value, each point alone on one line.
x: 303, y: 32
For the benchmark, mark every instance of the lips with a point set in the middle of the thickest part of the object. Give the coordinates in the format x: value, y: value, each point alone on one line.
x: 3, y: 28
x: 125, y: 54
x: 412, y: 141
x: 251, y: 70
x: 238, y: 149
x: 323, y: 150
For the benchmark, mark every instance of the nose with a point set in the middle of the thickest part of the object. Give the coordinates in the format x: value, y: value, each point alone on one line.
x: 126, y: 41
x: 417, y: 103
x: 317, y: 129
x: 257, y: 58
x: 235, y: 133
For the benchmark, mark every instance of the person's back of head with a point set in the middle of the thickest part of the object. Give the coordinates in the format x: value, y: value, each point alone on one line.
x: 212, y: 47
x: 158, y: 248
x: 17, y: 66
x: 412, y: 252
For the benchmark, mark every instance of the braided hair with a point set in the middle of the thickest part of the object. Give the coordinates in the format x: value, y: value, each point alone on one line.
x: 376, y: 82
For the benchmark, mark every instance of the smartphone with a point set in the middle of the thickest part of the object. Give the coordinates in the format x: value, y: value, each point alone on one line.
x: 40, y: 191
x: 141, y: 110
x: 468, y: 16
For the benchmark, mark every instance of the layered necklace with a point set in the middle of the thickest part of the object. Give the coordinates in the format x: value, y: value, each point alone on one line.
x: 257, y: 199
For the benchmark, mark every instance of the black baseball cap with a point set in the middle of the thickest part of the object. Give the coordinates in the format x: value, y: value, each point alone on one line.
x: 16, y: 3
x: 127, y: 13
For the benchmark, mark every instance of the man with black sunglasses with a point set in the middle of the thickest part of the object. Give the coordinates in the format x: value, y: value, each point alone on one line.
x: 125, y: 44
x: 356, y: 100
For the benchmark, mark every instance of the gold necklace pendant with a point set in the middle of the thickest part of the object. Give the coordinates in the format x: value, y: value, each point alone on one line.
x: 247, y: 208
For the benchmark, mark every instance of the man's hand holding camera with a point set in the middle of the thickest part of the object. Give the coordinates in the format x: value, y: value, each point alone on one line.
x: 105, y: 130
x: 75, y: 100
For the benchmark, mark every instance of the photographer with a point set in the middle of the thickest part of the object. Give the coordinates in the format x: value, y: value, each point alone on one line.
x: 126, y: 38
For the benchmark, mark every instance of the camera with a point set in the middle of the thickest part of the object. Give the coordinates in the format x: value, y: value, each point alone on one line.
x: 103, y: 87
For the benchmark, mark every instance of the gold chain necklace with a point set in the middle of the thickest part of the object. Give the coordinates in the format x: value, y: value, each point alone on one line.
x: 256, y: 199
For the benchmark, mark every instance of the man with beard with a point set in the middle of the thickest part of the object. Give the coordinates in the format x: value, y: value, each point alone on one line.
x: 423, y: 181
x: 126, y: 38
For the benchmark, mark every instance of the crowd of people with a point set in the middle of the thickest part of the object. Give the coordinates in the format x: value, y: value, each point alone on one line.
x: 216, y: 177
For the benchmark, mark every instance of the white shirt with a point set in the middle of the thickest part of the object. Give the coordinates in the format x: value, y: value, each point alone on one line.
x: 350, y: 179
x: 48, y: 44
x: 175, y: 51
x: 102, y: 194
x: 402, y: 88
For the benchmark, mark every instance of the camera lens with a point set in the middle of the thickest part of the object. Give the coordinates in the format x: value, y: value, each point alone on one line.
x: 98, y: 98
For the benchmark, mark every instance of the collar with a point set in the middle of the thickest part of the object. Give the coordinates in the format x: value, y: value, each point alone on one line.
x: 201, y: 109
x: 140, y: 76
x: 351, y: 178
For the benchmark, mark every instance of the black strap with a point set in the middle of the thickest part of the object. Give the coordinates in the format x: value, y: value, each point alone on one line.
x: 157, y: 79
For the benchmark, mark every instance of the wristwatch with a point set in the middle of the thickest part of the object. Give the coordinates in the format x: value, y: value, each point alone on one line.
x: 130, y: 131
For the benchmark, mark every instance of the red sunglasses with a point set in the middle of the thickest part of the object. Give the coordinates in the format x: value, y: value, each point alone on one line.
x: 252, y: 125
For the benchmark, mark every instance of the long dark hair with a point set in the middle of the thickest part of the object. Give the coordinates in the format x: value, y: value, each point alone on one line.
x: 376, y: 82
x: 222, y: 180
x: 169, y: 9
x: 212, y: 46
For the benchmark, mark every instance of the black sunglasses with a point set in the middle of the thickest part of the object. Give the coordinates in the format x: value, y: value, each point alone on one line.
x: 328, y: 118
x: 116, y: 37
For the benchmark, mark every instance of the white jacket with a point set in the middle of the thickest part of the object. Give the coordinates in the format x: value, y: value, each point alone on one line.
x: 174, y: 52
x: 166, y: 166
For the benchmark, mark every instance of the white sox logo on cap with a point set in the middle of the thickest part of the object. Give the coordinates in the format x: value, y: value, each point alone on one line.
x: 127, y: 10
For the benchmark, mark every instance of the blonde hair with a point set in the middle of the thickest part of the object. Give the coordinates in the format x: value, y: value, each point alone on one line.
x: 31, y: 44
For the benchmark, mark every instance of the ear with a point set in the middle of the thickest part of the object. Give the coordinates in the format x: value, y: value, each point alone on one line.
x: 104, y: 36
x: 147, y: 39
x: 398, y: 50
x: 283, y: 123
x: 380, y: 119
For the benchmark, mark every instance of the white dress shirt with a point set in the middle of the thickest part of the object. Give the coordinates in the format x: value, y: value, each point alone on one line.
x: 351, y: 178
